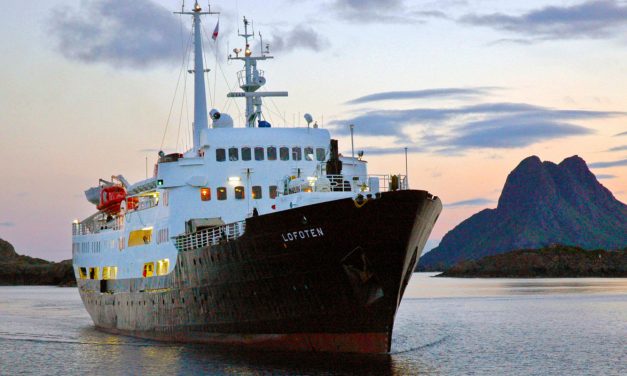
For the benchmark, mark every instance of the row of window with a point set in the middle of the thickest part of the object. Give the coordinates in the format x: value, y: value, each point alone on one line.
x: 260, y: 153
x: 111, y: 272
x: 239, y: 191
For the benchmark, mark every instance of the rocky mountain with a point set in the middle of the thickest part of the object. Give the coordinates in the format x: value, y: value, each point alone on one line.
x: 16, y: 269
x: 542, y: 203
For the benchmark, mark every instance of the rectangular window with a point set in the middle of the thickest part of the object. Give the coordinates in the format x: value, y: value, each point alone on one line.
x: 272, y: 153
x: 284, y: 153
x: 309, y: 155
x: 109, y: 272
x: 246, y: 154
x: 205, y: 194
x: 139, y: 237
x: 259, y: 153
x: 163, y: 266
x: 221, y: 193
x: 320, y: 154
x: 273, y: 190
x: 297, y: 153
x: 149, y: 269
x: 220, y: 155
x: 239, y: 192
x: 82, y: 272
x: 94, y: 272
x: 233, y: 154
x: 257, y: 192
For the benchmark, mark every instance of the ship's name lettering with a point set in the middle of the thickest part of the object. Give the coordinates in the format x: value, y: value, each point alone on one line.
x: 302, y: 234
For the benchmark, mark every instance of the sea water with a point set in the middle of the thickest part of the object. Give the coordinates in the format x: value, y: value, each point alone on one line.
x: 444, y: 326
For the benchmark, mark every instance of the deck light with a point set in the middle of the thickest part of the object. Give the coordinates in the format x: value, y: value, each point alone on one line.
x: 234, y: 178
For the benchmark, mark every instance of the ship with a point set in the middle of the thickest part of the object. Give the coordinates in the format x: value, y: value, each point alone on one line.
x: 256, y: 236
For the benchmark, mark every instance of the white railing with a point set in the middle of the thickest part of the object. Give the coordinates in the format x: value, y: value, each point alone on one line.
x: 97, y: 223
x: 210, y: 236
x: 363, y: 183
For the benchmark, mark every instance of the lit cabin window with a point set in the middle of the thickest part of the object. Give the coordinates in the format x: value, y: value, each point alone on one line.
x: 109, y: 272
x: 205, y: 194
x: 220, y: 155
x: 163, y: 266
x: 272, y: 153
x: 273, y: 190
x: 259, y: 153
x: 94, y: 272
x: 309, y: 154
x: 320, y: 154
x: 139, y: 237
x: 233, y: 154
x: 257, y: 192
x: 149, y: 269
x: 82, y: 272
x: 239, y: 192
x: 297, y: 153
x: 221, y: 193
x: 284, y: 153
x: 246, y: 154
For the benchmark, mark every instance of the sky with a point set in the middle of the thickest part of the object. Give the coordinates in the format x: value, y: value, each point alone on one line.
x: 90, y: 89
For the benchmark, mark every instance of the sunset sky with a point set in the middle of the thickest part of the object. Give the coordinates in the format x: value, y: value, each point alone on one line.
x: 471, y: 87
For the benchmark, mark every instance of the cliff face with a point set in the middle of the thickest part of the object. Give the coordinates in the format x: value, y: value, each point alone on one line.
x: 541, y: 204
x: 24, y: 270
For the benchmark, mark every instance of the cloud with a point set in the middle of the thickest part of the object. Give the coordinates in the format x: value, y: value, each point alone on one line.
x: 621, y: 134
x: 455, y: 93
x: 605, y: 176
x: 299, y: 37
x: 7, y: 224
x: 622, y: 162
x: 590, y: 19
x: 471, y: 202
x: 382, y: 11
x: 618, y: 148
x: 487, y: 125
x: 132, y: 34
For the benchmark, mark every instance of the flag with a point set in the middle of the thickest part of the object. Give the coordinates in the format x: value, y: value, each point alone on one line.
x: 215, y: 31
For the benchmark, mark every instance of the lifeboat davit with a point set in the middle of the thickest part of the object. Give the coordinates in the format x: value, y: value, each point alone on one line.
x: 111, y: 198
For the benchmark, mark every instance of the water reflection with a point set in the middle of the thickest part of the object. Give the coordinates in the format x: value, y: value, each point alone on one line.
x: 426, y: 285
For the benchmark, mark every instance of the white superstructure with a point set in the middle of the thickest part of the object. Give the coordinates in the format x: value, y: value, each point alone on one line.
x: 206, y: 193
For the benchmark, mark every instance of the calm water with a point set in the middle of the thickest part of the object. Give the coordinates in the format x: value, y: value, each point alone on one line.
x: 444, y: 326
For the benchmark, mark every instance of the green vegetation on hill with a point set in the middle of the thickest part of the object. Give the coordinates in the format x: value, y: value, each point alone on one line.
x: 555, y: 261
x: 24, y: 270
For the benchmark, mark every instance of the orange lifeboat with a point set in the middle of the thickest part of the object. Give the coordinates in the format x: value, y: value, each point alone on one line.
x: 111, y: 198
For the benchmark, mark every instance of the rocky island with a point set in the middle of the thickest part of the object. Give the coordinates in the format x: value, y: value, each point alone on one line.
x: 24, y: 270
x: 556, y: 261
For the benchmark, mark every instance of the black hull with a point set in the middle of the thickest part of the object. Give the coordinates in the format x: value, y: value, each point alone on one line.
x: 325, y: 277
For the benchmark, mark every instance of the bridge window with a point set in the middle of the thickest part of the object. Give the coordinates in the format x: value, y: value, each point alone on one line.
x: 297, y: 153
x: 205, y: 194
x: 284, y: 153
x: 239, y: 192
x: 221, y: 193
x: 273, y: 190
x: 220, y: 155
x: 257, y: 192
x: 233, y: 154
x: 309, y: 154
x: 246, y: 154
x: 259, y: 153
x: 320, y: 154
x: 272, y: 153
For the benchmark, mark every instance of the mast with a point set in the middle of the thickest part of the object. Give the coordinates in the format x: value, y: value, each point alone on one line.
x: 200, y: 97
x: 251, y: 79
